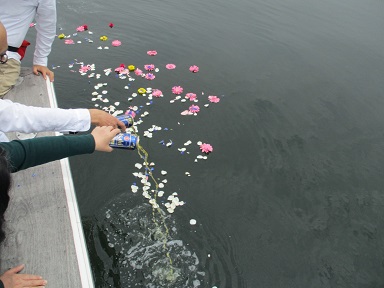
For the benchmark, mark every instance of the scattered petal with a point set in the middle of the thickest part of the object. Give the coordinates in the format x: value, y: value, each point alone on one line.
x: 170, y: 66
x: 194, y: 69
x: 214, y: 99
x: 206, y: 148
x: 177, y: 90
x: 152, y: 52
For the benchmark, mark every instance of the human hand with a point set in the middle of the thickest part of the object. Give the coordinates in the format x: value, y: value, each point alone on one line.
x: 11, y: 279
x: 103, y: 135
x: 102, y: 118
x: 37, y: 69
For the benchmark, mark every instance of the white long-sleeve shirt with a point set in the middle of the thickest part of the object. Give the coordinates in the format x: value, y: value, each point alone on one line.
x: 28, y: 119
x: 16, y: 15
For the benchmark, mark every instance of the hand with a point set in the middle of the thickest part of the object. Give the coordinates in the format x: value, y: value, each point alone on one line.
x: 11, y: 279
x: 103, y: 135
x: 37, y: 69
x: 102, y: 118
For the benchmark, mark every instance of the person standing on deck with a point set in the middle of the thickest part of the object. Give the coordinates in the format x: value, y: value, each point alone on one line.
x: 17, y: 15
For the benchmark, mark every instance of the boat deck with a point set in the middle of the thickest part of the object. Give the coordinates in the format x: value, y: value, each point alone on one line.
x: 43, y: 226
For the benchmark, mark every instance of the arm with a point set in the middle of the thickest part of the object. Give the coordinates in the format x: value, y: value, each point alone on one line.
x: 46, y: 31
x: 27, y: 119
x: 23, y: 154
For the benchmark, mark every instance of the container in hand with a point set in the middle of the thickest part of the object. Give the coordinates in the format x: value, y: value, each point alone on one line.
x: 126, y: 119
x: 124, y: 141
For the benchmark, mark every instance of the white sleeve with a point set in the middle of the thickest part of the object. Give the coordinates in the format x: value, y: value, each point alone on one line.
x: 28, y: 119
x: 46, y: 31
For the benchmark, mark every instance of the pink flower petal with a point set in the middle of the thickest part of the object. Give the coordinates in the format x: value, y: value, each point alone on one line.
x: 194, y: 69
x: 157, y: 93
x: 150, y: 76
x: 170, y: 66
x: 69, y: 41
x: 138, y: 72
x: 149, y: 67
x: 80, y: 29
x: 177, y: 90
x: 214, y: 99
x: 186, y: 112
x: 191, y: 96
x: 194, y: 109
x: 206, y: 148
x: 152, y: 52
x: 116, y: 43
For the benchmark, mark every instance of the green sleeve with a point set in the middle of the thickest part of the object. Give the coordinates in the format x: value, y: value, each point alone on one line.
x: 23, y: 154
x: 1, y: 284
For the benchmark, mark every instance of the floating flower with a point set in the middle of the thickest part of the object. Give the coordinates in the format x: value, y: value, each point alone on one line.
x: 157, y: 93
x: 84, y: 69
x: 61, y: 36
x: 131, y: 67
x: 32, y: 25
x: 214, y: 99
x: 194, y: 109
x: 206, y: 148
x: 191, y: 96
x: 150, y: 76
x: 85, y: 27
x: 170, y: 66
x: 69, y: 41
x: 119, y: 69
x: 111, y: 25
x: 149, y: 67
x: 141, y: 90
x: 152, y: 52
x: 177, y: 90
x: 194, y: 69
x: 103, y: 38
x: 138, y: 72
x: 80, y: 29
x: 116, y: 43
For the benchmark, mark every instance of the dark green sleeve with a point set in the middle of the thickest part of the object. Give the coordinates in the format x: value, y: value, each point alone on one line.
x: 23, y: 154
x: 1, y: 284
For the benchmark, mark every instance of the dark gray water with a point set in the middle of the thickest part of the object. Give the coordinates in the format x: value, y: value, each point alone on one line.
x: 292, y: 195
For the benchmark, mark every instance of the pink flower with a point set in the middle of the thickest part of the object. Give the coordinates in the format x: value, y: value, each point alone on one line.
x: 138, y: 72
x: 152, y: 52
x: 177, y: 90
x: 194, y: 109
x: 149, y: 67
x: 157, y: 93
x: 194, y: 69
x: 191, y: 96
x: 84, y: 69
x: 119, y: 69
x: 69, y: 41
x: 214, y: 99
x: 32, y: 25
x: 116, y: 43
x: 150, y: 76
x: 111, y: 25
x: 206, y: 148
x: 170, y: 66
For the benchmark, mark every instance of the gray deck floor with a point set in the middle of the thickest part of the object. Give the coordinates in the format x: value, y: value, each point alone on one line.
x: 39, y: 229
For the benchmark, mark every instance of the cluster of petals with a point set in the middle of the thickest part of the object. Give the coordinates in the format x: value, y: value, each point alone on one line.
x: 152, y: 52
x: 150, y: 76
x: 119, y: 69
x: 84, y: 69
x: 116, y: 43
x: 214, y: 99
x: 69, y: 41
x: 194, y: 69
x: 194, y: 109
x: 170, y: 66
x: 206, y: 148
x: 138, y: 72
x: 103, y: 38
x: 177, y: 90
x: 191, y: 96
x: 82, y: 28
x: 157, y: 93
x: 149, y: 67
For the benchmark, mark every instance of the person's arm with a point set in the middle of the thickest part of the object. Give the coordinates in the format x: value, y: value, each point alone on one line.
x: 27, y: 119
x: 23, y: 154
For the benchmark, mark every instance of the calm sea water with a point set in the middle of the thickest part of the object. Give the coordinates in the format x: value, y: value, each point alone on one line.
x: 293, y: 193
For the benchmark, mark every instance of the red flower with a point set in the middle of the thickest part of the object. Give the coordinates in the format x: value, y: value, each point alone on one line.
x: 111, y: 25
x: 122, y: 65
x: 85, y: 27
